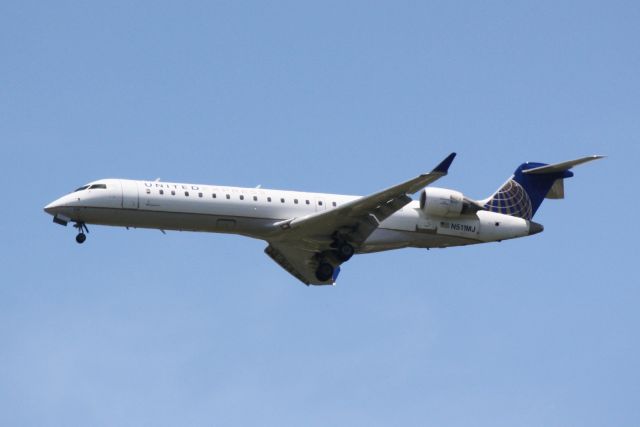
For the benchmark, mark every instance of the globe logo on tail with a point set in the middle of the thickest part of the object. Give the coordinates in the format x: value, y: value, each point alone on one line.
x: 512, y: 200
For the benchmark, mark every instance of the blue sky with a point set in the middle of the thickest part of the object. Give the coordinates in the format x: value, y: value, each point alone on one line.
x: 140, y: 328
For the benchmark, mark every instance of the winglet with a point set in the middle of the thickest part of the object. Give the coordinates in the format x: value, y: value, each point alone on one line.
x: 443, y: 167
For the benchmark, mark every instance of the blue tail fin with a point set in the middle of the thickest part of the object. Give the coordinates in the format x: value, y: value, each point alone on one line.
x: 523, y: 193
x: 530, y: 184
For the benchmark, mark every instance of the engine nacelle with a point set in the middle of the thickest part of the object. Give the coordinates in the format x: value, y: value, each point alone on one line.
x: 445, y: 203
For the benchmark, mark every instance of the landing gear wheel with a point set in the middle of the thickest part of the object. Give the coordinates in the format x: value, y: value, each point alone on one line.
x: 324, y: 272
x: 82, y: 227
x: 345, y: 251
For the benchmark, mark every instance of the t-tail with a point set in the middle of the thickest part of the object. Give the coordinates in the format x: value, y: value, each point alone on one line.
x: 530, y: 184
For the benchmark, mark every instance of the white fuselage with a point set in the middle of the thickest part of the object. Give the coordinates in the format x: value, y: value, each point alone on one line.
x: 255, y: 212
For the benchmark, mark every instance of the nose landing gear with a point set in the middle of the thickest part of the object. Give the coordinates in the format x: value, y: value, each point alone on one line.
x: 82, y: 227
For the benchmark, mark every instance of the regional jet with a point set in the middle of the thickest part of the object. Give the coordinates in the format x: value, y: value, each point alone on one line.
x: 311, y: 235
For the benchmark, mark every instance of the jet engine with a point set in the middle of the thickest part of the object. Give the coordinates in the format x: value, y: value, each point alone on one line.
x: 446, y: 203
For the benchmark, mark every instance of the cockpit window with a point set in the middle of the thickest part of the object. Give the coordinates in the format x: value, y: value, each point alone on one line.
x: 97, y: 186
x: 84, y: 187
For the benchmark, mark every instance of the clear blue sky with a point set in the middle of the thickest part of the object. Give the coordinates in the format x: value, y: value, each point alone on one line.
x: 138, y: 328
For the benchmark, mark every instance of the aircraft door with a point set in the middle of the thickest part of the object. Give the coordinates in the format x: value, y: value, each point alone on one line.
x: 130, y: 197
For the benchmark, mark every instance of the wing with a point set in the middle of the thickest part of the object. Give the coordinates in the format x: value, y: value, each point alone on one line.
x: 302, y: 243
x: 356, y: 220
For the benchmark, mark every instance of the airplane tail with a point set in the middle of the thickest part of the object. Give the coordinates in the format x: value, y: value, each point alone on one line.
x: 530, y: 184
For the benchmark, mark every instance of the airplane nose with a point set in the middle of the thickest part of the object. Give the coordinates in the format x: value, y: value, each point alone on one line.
x: 51, y: 208
x: 54, y: 207
x: 535, y: 228
x: 59, y: 210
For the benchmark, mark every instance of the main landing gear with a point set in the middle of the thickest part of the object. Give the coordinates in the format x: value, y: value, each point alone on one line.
x: 82, y: 227
x: 341, y: 252
x: 344, y: 251
x: 324, y: 271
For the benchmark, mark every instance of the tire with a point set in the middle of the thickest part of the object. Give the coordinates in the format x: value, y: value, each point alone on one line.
x: 324, y: 272
x: 81, y: 237
x: 345, y: 252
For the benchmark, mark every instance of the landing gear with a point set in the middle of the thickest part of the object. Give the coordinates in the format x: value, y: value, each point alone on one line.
x: 330, y: 259
x: 324, y: 271
x: 82, y: 227
x: 344, y: 251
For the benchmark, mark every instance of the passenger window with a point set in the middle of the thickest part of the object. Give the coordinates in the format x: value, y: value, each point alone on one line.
x: 199, y: 194
x: 255, y: 198
x: 306, y: 201
x: 161, y: 192
x: 173, y: 192
x: 186, y: 193
x: 319, y: 202
x: 295, y: 201
x: 241, y: 197
x: 228, y: 196
x: 269, y: 199
x: 281, y: 200
x: 334, y: 204
x: 148, y: 191
x: 213, y: 195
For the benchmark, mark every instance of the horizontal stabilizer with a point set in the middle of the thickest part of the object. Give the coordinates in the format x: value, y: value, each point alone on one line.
x: 560, y: 167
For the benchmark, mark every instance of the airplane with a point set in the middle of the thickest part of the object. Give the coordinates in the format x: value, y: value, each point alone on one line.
x: 311, y: 235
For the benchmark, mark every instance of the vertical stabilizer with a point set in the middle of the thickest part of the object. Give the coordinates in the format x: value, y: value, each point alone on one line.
x: 530, y: 184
